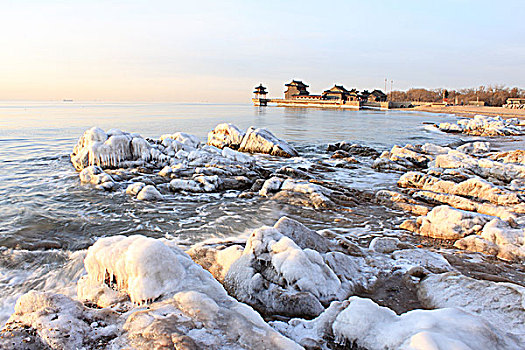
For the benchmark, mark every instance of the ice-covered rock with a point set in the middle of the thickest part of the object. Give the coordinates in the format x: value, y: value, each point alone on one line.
x: 149, y: 193
x: 501, y: 304
x: 474, y: 187
x: 445, y: 222
x: 302, y: 192
x: 403, y: 158
x: 134, y: 188
x: 56, y: 321
x: 142, y: 267
x: 302, y: 235
x: 186, y: 139
x: 187, y: 308
x: 268, y: 273
x: 482, y: 125
x: 271, y: 186
x: 225, y: 135
x: 259, y: 140
x: 95, y: 175
x: 362, y: 324
x: 516, y: 156
x: 110, y: 150
x: 476, y: 148
x: 497, y: 238
x: 483, y: 167
x: 370, y: 326
x: 385, y: 245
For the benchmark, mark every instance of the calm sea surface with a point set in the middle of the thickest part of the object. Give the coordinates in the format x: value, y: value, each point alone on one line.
x: 48, y: 219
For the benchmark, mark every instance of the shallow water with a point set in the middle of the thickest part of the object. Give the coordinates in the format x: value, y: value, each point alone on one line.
x: 47, y: 217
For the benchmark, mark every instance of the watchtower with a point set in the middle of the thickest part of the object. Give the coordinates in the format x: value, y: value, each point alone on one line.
x: 259, y: 98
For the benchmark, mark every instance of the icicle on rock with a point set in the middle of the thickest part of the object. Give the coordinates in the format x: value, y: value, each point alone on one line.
x: 143, y: 267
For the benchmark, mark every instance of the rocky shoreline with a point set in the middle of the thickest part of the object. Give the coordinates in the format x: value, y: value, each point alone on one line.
x: 459, y: 282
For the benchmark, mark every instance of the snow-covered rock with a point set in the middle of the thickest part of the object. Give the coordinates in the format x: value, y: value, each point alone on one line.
x: 134, y: 188
x: 149, y: 193
x: 482, y: 125
x: 225, y: 135
x: 95, y: 175
x: 110, y: 150
x: 368, y: 325
x: 268, y: 273
x: 56, y: 321
x: 502, y: 304
x: 362, y: 324
x: 445, y: 222
x: 186, y: 309
x: 496, y: 238
x: 259, y: 140
x: 402, y: 158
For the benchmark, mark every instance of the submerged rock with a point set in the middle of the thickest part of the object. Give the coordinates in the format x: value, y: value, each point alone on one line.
x: 352, y: 149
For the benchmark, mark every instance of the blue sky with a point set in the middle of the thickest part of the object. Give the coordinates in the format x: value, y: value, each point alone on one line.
x: 217, y: 51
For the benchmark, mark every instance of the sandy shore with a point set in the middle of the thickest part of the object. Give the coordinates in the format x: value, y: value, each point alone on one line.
x: 473, y: 110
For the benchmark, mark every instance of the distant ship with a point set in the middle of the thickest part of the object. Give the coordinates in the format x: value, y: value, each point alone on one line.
x: 67, y: 100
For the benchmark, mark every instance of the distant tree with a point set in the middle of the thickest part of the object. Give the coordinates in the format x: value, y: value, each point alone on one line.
x: 496, y: 95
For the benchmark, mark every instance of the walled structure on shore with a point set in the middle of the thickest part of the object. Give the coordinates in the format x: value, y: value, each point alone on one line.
x: 297, y: 95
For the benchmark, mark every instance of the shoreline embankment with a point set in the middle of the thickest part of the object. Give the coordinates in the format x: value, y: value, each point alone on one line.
x: 467, y: 111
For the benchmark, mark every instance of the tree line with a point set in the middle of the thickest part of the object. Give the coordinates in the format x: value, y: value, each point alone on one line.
x: 491, y: 95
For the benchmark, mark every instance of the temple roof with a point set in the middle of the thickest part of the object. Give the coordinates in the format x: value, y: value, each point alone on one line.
x: 260, y: 89
x: 377, y: 93
x: 297, y: 83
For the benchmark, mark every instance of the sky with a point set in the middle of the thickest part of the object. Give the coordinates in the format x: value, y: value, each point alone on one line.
x: 217, y: 51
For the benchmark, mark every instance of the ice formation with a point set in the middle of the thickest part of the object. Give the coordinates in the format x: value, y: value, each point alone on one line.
x: 110, y: 150
x: 254, y: 140
x: 225, y: 135
x: 366, y: 324
x: 482, y: 125
x: 259, y: 140
x: 502, y: 304
x: 143, y: 267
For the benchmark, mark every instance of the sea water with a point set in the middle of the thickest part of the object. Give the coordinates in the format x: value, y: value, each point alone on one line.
x: 48, y: 219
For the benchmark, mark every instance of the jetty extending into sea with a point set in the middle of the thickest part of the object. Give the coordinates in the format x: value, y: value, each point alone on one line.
x: 297, y: 95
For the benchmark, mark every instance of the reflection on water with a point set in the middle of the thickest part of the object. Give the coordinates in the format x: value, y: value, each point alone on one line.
x: 46, y: 214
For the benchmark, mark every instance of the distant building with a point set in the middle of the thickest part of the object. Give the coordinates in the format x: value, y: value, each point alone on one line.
x: 295, y: 88
x: 339, y: 93
x: 515, y: 101
x: 260, y: 91
x: 364, y: 95
x: 477, y: 103
x: 297, y: 95
x: 377, y: 96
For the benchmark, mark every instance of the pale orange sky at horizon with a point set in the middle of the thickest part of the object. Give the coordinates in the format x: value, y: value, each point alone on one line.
x: 217, y: 52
